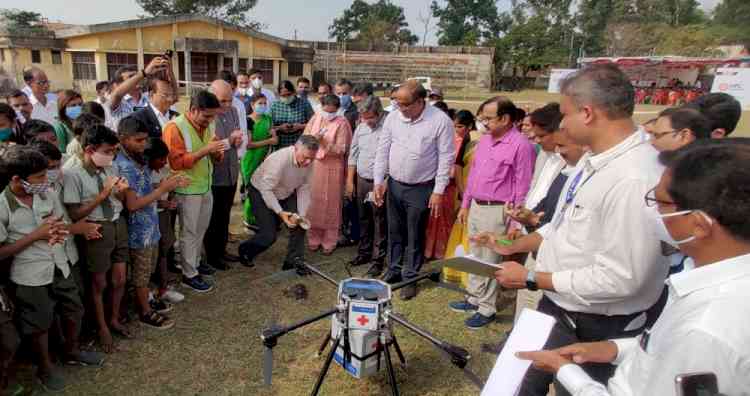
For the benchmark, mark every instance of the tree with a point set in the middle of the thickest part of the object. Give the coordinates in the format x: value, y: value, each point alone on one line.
x: 375, y: 25
x: 532, y: 43
x: 469, y: 22
x: 20, y: 18
x: 231, y: 11
x: 733, y: 13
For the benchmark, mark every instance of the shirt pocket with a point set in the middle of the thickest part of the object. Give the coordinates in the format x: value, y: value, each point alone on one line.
x: 499, y: 169
x: 419, y: 145
x: 579, y: 222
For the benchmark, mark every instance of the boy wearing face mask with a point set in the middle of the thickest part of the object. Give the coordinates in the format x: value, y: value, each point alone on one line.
x: 93, y: 190
x: 32, y: 232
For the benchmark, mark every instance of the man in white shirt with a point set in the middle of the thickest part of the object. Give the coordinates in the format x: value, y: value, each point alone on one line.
x: 44, y: 107
x: 602, y: 275
x: 699, y: 207
x: 250, y: 83
x: 28, y: 77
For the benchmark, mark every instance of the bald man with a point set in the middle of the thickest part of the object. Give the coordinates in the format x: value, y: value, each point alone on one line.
x: 225, y: 175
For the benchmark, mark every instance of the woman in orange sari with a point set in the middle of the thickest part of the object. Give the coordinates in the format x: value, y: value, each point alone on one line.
x: 328, y: 174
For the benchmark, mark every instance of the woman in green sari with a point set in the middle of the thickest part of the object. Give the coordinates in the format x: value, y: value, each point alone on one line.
x: 260, y: 142
x: 69, y: 108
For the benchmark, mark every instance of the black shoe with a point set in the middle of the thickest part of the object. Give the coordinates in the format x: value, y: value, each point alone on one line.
x: 300, y: 267
x: 346, y: 242
x: 375, y: 270
x: 231, y: 258
x: 204, y: 269
x: 408, y: 292
x: 391, y: 278
x: 359, y: 260
x: 173, y: 268
x: 221, y: 265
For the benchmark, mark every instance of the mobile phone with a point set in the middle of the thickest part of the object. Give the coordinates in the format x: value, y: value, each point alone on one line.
x: 168, y: 54
x: 696, y: 384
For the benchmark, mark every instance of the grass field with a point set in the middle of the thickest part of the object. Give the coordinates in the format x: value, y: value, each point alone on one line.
x: 215, y: 348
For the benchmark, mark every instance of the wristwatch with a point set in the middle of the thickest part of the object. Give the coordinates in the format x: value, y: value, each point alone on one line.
x: 531, y: 281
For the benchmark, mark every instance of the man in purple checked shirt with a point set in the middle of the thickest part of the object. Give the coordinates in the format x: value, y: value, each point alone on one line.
x: 416, y: 151
x: 500, y: 174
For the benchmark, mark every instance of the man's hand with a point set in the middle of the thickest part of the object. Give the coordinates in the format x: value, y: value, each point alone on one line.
x: 49, y: 230
x: 514, y: 234
x: 349, y: 192
x: 491, y: 240
x: 512, y: 275
x: 549, y: 361
x: 169, y: 205
x: 109, y: 183
x: 288, y: 220
x: 156, y: 65
x: 436, y: 202
x: 90, y: 231
x: 173, y: 182
x: 590, y: 352
x: 523, y: 215
x: 463, y: 216
x: 379, y: 192
x: 122, y: 184
x: 235, y: 138
x: 215, y: 146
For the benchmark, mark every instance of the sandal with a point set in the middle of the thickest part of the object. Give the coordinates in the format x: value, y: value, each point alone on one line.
x: 157, y: 320
x: 122, y: 331
x: 85, y: 358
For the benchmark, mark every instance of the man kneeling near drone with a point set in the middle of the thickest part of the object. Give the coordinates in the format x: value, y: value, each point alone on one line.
x: 280, y: 192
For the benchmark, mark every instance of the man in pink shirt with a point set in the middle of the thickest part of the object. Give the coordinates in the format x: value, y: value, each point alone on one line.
x: 500, y: 174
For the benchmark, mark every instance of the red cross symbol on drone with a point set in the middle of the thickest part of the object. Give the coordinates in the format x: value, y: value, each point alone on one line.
x: 362, y: 319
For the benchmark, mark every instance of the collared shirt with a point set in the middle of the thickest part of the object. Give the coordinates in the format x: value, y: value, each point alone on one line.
x: 279, y: 176
x: 364, y: 147
x: 81, y: 184
x: 47, y: 113
x: 703, y: 328
x: 602, y: 257
x: 29, y: 93
x: 416, y: 151
x: 70, y: 244
x: 227, y: 171
x: 114, y: 115
x: 163, y: 118
x: 241, y: 110
x: 543, y: 178
x: 502, y: 169
x: 35, y: 265
x: 143, y: 224
x: 137, y: 104
x: 297, y: 112
x: 179, y: 157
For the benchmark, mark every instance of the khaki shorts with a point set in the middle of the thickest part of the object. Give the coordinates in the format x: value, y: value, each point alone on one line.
x: 36, y: 305
x: 143, y: 262
x: 111, y: 248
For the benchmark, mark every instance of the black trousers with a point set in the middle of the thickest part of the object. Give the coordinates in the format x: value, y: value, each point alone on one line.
x: 268, y: 225
x: 217, y: 235
x: 408, y: 213
x: 373, y: 242
x: 573, y: 327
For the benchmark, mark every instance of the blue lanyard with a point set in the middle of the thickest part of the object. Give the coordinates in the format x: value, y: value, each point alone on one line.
x: 571, y: 190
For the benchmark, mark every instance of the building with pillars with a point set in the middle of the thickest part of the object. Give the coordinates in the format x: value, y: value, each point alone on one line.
x: 80, y: 56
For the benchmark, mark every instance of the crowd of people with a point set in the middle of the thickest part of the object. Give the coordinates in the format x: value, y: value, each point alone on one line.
x: 106, y: 202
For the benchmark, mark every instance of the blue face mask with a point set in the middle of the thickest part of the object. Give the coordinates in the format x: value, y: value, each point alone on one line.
x: 261, y: 109
x: 5, y: 134
x: 73, y: 112
x: 346, y: 101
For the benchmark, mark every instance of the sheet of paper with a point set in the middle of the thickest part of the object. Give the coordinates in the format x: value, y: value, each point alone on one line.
x: 530, y: 333
x: 469, y: 263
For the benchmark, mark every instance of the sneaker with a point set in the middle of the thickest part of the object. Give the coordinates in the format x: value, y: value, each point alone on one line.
x: 478, y: 321
x: 86, y: 358
x: 172, y: 296
x: 204, y: 269
x: 157, y: 321
x: 160, y: 306
x: 197, y: 284
x: 52, y: 381
x: 463, y: 307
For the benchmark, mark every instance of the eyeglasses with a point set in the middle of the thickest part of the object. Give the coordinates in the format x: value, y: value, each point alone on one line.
x: 486, y: 121
x: 42, y: 82
x: 659, y: 135
x: 651, y: 200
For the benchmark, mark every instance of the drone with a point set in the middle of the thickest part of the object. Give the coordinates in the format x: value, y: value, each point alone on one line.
x: 362, y: 335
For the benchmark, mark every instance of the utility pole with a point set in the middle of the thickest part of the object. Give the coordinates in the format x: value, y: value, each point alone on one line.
x: 426, y: 21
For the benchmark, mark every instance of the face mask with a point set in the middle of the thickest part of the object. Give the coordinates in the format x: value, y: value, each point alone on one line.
x: 257, y: 83
x: 5, y: 134
x: 53, y: 175
x: 242, y: 91
x: 19, y: 116
x: 286, y: 100
x: 33, y: 189
x: 328, y: 116
x: 661, y: 231
x: 432, y: 102
x: 482, y: 129
x: 101, y: 160
x: 73, y: 112
x: 261, y: 109
x: 302, y: 93
x: 346, y: 101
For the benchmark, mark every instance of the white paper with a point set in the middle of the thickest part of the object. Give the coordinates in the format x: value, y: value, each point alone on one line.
x: 460, y: 252
x: 226, y: 144
x: 530, y: 333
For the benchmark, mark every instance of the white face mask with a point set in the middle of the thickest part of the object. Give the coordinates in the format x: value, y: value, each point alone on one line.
x: 242, y: 91
x: 257, y: 83
x: 482, y: 129
x: 328, y: 116
x: 661, y: 231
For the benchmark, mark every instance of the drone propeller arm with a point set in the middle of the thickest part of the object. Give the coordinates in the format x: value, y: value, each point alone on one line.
x: 459, y: 356
x: 321, y: 274
x: 270, y: 335
x: 432, y: 275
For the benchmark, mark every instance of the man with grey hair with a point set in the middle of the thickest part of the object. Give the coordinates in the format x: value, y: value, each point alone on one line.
x: 416, y: 152
x: 225, y: 175
x: 37, y: 89
x: 280, y: 192
x: 601, y: 271
x: 359, y: 182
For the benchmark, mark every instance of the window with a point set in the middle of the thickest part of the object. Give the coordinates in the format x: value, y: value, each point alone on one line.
x: 266, y: 67
x: 296, y: 69
x: 36, y: 56
x: 56, y: 57
x: 116, y: 61
x: 84, y: 66
x: 227, y: 64
x: 242, y: 64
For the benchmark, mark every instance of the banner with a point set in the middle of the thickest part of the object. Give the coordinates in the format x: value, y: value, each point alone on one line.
x: 555, y: 78
x: 734, y: 81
